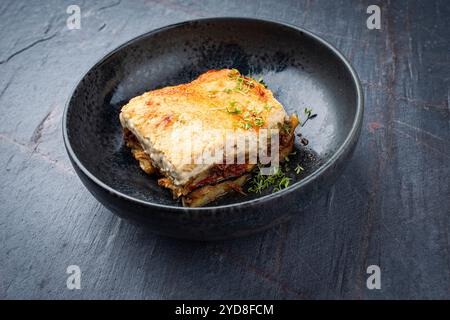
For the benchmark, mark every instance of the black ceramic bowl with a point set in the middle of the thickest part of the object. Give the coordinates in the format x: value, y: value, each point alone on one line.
x: 301, y: 69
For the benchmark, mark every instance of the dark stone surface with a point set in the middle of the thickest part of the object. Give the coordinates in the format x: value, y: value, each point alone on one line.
x: 389, y: 208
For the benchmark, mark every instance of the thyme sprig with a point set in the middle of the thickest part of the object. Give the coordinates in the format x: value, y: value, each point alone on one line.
x: 298, y: 169
x: 246, y: 125
x: 243, y: 85
x: 278, y: 180
x: 233, y: 109
x: 259, y: 122
x: 309, y: 115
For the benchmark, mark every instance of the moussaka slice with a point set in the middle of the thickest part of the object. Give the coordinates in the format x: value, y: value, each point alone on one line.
x: 191, y: 135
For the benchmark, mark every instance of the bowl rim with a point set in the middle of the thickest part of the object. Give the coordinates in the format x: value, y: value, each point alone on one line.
x: 350, y: 139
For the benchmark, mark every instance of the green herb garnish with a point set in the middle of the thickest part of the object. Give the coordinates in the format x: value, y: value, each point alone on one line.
x: 253, y: 110
x: 246, y: 116
x: 308, y: 111
x: 259, y: 122
x: 246, y: 125
x: 234, y: 110
x: 282, y: 184
x: 268, y: 106
x: 278, y: 180
x: 298, y: 169
x: 286, y: 128
x: 240, y: 85
x: 309, y: 115
x: 243, y: 85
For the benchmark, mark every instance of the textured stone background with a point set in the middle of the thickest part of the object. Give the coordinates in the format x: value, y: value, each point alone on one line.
x: 390, y: 207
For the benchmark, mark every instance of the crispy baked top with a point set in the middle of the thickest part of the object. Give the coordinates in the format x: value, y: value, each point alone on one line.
x: 187, y: 119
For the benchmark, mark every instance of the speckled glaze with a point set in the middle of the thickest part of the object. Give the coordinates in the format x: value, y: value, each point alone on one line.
x: 301, y: 69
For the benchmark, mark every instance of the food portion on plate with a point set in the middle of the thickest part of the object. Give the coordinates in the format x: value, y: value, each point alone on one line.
x: 189, y: 135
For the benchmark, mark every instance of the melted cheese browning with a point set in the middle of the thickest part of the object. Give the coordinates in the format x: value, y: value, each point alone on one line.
x: 167, y: 128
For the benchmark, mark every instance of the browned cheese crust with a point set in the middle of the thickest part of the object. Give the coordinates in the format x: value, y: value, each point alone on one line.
x: 218, y: 99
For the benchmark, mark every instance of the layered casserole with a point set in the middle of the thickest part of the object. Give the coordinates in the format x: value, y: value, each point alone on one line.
x: 188, y: 134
